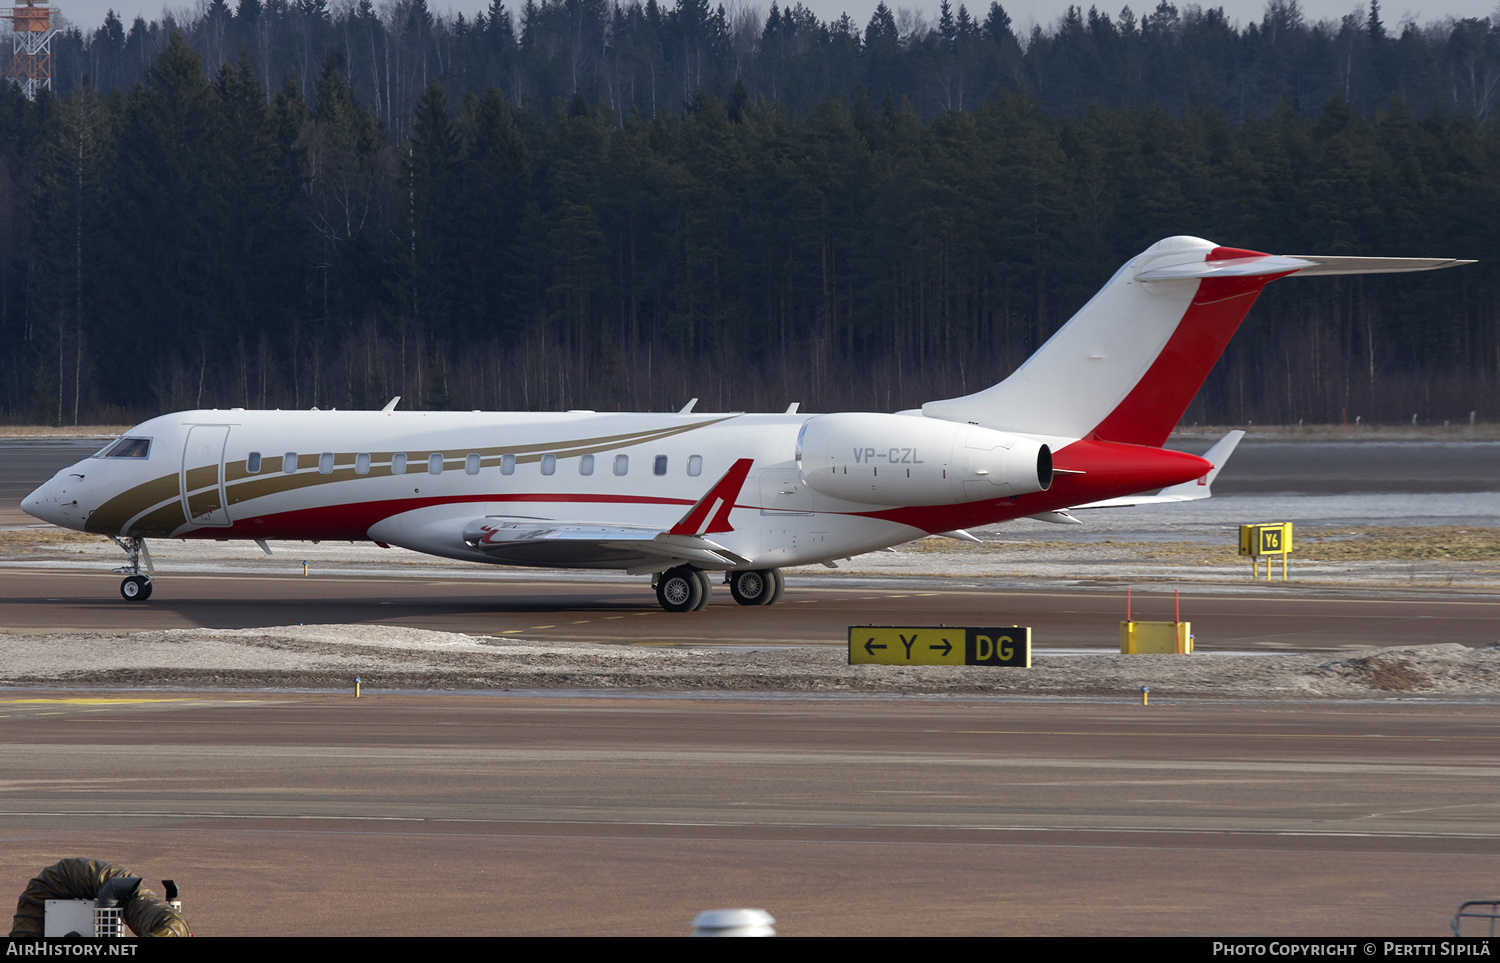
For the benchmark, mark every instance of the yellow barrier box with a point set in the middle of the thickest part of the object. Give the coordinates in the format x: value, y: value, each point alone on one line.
x: 1169, y: 638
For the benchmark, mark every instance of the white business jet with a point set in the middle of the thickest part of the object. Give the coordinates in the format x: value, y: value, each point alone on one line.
x: 677, y: 496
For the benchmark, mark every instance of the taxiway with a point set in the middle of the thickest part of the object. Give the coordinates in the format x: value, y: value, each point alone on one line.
x: 449, y: 814
x: 817, y: 610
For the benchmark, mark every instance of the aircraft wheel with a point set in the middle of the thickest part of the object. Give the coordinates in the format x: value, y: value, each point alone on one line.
x: 678, y: 589
x: 136, y: 588
x: 706, y: 585
x: 752, y: 588
x: 775, y: 573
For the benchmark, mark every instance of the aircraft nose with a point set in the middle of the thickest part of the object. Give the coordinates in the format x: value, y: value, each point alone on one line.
x: 52, y: 504
x: 35, y: 504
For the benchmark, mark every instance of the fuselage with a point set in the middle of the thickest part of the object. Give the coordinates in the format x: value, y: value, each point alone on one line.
x: 417, y: 479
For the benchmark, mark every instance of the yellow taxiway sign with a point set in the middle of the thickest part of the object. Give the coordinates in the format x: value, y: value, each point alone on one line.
x: 939, y: 645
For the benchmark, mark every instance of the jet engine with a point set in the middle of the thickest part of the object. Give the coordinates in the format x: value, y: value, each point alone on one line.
x: 884, y: 459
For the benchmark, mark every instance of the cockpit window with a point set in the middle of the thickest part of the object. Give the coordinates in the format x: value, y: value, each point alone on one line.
x: 129, y: 448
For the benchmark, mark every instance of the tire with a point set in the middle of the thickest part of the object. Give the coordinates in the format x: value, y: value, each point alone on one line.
x: 136, y: 588
x: 708, y: 589
x: 752, y: 588
x: 679, y: 590
x: 775, y: 573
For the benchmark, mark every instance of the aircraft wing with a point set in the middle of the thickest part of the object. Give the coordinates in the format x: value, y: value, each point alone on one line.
x: 1191, y: 491
x: 641, y: 550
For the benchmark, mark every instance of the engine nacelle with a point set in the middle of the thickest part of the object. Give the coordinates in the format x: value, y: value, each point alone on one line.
x: 911, y: 460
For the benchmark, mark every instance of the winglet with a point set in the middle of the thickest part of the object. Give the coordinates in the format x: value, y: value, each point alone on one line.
x: 711, y: 514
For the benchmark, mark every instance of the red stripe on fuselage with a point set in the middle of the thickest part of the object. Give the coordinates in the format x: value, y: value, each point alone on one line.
x: 1157, y: 402
x: 351, y: 521
x: 1109, y: 471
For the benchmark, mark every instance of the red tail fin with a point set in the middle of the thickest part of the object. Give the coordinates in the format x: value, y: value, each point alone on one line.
x: 1153, y: 407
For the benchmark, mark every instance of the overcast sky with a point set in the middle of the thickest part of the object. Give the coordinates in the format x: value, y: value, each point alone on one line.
x: 88, y: 14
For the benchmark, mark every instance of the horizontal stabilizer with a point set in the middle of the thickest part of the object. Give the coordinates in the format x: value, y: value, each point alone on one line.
x: 1301, y: 265
x: 1373, y: 265
x: 1240, y: 267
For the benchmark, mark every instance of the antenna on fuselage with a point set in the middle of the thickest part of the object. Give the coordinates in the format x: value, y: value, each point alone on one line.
x: 390, y: 406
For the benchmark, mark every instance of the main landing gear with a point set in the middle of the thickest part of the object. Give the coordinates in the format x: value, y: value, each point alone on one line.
x: 687, y: 589
x: 136, y: 587
x: 763, y: 587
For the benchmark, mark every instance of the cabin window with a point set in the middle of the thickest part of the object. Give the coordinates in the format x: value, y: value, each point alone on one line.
x: 695, y: 465
x: 252, y: 463
x: 586, y: 465
x: 289, y: 462
x: 508, y: 464
x: 129, y: 448
x: 325, y: 463
x: 659, y: 467
x: 434, y: 464
x: 398, y: 463
x: 471, y: 465
x: 622, y: 464
x: 549, y: 464
x: 362, y: 463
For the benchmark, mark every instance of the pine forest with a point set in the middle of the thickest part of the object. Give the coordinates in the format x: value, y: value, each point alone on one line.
x: 609, y: 205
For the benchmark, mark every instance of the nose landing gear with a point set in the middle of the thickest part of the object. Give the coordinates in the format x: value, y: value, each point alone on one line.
x: 136, y: 587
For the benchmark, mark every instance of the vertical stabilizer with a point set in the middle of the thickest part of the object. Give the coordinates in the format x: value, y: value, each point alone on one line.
x: 1126, y: 366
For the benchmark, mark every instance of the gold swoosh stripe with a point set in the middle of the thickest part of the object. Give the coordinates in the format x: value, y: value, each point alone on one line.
x: 251, y: 487
x: 110, y: 518
x: 165, y: 520
x: 204, y: 476
x: 241, y: 486
x: 235, y: 471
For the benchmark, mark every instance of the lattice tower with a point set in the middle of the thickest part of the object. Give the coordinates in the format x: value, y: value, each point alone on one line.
x: 31, y: 47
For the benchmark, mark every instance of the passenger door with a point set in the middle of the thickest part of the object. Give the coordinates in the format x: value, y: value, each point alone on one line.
x: 203, y: 476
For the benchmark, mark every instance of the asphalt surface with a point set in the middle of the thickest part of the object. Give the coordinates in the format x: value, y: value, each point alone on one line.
x: 451, y: 814
x: 1342, y: 467
x: 815, y: 610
